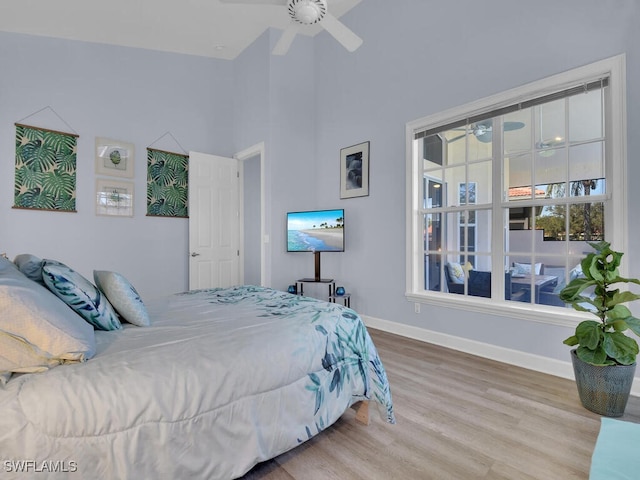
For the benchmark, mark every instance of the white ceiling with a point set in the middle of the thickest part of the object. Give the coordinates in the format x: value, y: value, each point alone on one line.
x: 197, y: 27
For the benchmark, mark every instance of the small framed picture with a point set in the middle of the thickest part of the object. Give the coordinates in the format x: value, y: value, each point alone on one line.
x: 114, y: 197
x: 354, y: 171
x: 114, y: 158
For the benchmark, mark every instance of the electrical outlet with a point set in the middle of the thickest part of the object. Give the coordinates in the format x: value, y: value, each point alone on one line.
x: 416, y: 307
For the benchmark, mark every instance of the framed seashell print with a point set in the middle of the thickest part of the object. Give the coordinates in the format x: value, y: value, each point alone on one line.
x: 114, y: 158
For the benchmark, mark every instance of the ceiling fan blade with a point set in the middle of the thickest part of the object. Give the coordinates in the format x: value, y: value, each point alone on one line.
x: 483, y: 130
x: 285, y: 41
x: 341, y: 33
x: 508, y: 126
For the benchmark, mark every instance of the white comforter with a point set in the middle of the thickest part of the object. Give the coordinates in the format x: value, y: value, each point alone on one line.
x: 222, y: 380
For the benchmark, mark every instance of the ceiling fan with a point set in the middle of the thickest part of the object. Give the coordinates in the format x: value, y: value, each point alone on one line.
x: 483, y: 130
x: 304, y: 13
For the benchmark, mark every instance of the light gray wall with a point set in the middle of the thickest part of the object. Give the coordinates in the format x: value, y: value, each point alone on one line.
x: 274, y: 103
x: 252, y: 237
x: 127, y: 94
x: 420, y: 58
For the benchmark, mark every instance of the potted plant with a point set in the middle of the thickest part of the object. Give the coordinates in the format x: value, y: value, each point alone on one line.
x: 605, y: 358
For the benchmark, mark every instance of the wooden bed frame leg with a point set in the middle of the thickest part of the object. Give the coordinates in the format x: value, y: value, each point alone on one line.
x: 362, y: 411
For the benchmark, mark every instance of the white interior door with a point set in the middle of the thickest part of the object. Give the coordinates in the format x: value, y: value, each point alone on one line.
x: 214, y: 229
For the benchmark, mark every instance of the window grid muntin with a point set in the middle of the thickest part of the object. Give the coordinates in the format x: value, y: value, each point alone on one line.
x: 447, y: 209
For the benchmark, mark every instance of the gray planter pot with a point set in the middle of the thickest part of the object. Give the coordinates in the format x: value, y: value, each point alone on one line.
x: 603, y: 389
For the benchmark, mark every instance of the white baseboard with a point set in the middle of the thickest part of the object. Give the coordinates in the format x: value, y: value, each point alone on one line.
x: 493, y: 352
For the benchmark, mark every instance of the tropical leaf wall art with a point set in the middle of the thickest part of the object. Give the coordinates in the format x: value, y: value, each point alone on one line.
x: 45, y: 176
x: 167, y: 184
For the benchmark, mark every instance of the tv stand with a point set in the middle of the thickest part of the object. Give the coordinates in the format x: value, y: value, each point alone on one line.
x: 316, y: 280
x: 301, y: 281
x: 316, y: 258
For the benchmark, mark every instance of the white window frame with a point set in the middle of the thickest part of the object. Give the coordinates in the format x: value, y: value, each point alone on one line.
x: 616, y: 173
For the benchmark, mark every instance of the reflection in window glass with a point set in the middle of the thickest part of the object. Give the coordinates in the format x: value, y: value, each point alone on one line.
x: 585, y: 116
x: 586, y: 161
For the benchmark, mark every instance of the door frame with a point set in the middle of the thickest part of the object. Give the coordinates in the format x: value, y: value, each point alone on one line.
x: 250, y: 152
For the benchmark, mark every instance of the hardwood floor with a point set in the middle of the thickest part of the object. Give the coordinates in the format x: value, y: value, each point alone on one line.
x: 458, y: 417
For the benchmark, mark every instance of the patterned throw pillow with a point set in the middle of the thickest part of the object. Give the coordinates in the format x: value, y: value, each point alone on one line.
x: 525, y: 268
x: 80, y: 294
x: 456, y: 272
x: 123, y: 296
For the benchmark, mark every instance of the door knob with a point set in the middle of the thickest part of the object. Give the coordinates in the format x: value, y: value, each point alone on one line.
x: 194, y: 254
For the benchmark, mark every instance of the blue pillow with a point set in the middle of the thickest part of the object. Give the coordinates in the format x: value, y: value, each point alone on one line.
x: 80, y: 294
x: 123, y: 296
x: 31, y: 266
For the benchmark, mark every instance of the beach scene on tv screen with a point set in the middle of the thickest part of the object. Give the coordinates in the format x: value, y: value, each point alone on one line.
x: 320, y: 231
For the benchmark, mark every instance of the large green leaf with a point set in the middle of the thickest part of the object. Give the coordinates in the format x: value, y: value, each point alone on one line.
x: 66, y: 204
x: 572, y: 341
x: 622, y: 297
x: 64, y: 144
x: 176, y: 195
x: 574, y: 288
x: 28, y: 179
x: 589, y: 334
x: 35, y: 198
x: 596, y: 356
x: 182, y: 178
x: 59, y: 184
x: 618, y: 312
x: 634, y: 324
x: 66, y: 162
x: 161, y: 173
x: 38, y: 156
x: 621, y: 348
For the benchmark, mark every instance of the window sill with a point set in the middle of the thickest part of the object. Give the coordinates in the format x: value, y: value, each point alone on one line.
x: 522, y: 311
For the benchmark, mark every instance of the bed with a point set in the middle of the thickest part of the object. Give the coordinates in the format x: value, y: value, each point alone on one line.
x: 215, y: 382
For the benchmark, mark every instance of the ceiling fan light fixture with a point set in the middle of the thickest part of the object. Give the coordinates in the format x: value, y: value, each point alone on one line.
x: 550, y: 143
x: 307, y: 12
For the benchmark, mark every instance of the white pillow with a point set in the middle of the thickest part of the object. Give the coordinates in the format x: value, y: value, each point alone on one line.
x: 47, y: 328
x: 525, y: 268
x: 456, y: 273
x: 123, y: 296
x: 16, y: 355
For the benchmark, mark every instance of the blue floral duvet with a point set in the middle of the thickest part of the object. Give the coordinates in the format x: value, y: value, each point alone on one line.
x: 221, y: 380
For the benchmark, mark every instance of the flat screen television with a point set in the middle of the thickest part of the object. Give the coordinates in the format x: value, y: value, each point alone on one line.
x: 314, y: 232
